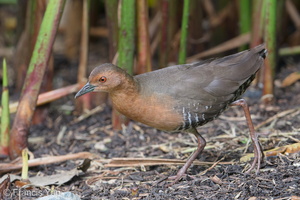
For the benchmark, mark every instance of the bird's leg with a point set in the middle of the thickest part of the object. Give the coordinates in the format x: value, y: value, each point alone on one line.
x: 258, y: 153
x: 200, y: 147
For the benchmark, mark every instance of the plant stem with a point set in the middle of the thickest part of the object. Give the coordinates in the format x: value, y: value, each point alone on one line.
x: 245, y: 18
x: 34, y: 77
x: 270, y: 39
x: 111, y: 10
x: 184, y: 32
x: 127, y: 36
x: 126, y: 47
x: 5, y: 116
x: 144, y: 57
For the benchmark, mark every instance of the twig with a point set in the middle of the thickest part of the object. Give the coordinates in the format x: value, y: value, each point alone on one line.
x: 293, y: 13
x: 98, y: 32
x: 286, y: 51
x: 6, y: 167
x: 210, y: 10
x: 278, y: 115
x: 154, y: 25
x: 211, y: 167
x: 230, y: 44
x: 134, y: 162
x: 47, y: 97
x: 88, y: 114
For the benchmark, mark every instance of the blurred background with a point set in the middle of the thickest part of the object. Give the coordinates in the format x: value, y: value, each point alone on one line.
x: 49, y: 47
x: 53, y: 47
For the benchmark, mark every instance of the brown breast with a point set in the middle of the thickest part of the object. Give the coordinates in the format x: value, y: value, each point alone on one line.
x: 149, y: 110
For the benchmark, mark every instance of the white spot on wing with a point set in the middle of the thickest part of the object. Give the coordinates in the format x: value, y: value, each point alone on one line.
x: 190, y: 118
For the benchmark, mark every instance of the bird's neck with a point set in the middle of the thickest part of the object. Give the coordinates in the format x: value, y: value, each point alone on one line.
x: 123, y: 98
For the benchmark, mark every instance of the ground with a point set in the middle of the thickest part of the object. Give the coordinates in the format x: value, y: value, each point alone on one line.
x: 227, y: 141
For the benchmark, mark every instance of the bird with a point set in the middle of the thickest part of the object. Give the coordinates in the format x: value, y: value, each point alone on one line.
x: 183, y: 97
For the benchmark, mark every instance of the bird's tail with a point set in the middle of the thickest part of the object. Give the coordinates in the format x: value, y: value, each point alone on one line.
x: 263, y: 53
x: 261, y: 50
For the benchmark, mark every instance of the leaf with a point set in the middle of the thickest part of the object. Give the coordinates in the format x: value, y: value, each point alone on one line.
x: 287, y: 149
x: 55, y: 179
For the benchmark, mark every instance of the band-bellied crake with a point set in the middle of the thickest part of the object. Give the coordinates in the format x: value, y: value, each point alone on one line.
x: 183, y: 97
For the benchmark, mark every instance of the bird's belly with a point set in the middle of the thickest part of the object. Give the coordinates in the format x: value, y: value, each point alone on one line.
x: 160, y: 118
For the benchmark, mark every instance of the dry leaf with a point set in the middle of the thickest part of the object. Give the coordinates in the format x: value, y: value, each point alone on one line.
x: 287, y: 149
x: 56, y: 179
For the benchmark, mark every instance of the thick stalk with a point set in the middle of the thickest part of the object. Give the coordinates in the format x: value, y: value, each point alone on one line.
x: 256, y: 33
x: 111, y: 8
x: 144, y: 57
x: 34, y: 77
x: 126, y: 47
x: 164, y: 50
x: 126, y: 44
x: 270, y: 39
x: 84, y: 103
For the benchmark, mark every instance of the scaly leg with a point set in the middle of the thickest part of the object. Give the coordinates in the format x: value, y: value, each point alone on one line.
x: 258, y: 153
x: 182, y: 171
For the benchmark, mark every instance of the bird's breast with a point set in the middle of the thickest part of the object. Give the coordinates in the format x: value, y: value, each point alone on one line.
x: 155, y: 111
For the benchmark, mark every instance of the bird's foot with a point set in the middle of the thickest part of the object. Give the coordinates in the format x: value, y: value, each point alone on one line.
x: 258, y: 152
x: 255, y: 161
x: 184, y: 168
x: 258, y: 157
x: 174, y: 179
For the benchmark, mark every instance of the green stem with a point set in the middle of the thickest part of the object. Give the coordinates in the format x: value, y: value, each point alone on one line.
x: 127, y: 36
x: 184, y: 32
x: 5, y: 116
x: 126, y: 47
x: 245, y: 18
x: 270, y: 39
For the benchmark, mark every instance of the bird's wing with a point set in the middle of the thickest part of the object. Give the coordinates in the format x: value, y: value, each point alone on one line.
x: 214, y: 80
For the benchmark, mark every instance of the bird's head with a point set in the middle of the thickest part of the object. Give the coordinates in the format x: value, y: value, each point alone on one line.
x: 104, y: 78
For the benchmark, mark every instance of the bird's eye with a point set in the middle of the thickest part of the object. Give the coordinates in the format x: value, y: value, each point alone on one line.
x: 102, y: 79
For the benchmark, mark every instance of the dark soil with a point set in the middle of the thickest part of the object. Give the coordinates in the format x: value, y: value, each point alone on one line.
x: 227, y: 138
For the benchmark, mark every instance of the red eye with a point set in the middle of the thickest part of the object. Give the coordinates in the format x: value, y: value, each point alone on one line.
x: 102, y: 79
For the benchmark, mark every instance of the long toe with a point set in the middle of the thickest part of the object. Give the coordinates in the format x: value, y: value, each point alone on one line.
x: 175, y: 179
x: 255, y: 161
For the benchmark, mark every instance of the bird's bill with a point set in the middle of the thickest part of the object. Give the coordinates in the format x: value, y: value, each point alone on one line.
x: 85, y: 89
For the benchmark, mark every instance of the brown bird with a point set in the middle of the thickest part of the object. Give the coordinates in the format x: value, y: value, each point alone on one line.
x: 183, y: 97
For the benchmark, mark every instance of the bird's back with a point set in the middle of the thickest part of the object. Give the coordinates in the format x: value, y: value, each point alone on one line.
x: 204, y: 89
